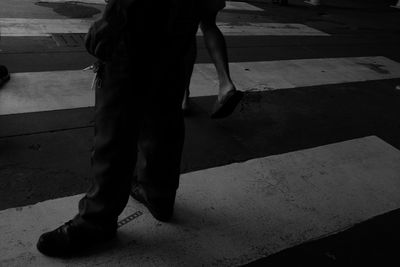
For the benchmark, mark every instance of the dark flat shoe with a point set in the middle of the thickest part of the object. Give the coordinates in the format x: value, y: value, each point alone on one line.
x: 71, y: 239
x: 227, y: 105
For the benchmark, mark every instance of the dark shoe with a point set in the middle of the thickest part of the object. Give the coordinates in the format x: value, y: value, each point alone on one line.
x: 4, y: 75
x: 161, y: 207
x: 227, y: 105
x: 71, y: 239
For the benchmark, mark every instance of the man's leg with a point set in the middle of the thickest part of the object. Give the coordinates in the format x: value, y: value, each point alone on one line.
x: 113, y: 161
x: 160, y: 147
x: 158, y: 167
x: 162, y: 133
x: 114, y: 154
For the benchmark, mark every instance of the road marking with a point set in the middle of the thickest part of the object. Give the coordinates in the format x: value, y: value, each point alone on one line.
x: 229, y: 4
x: 19, y: 27
x: 55, y: 90
x: 241, y: 6
x: 268, y: 29
x: 99, y: 2
x: 286, y: 74
x: 43, y: 91
x: 234, y: 214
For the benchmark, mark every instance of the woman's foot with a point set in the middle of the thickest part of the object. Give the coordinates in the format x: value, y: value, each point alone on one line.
x: 223, y: 108
x: 225, y: 90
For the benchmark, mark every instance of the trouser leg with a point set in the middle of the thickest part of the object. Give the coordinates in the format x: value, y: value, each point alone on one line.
x: 161, y: 141
x: 114, y: 154
x: 161, y: 137
x: 160, y: 147
x: 138, y: 108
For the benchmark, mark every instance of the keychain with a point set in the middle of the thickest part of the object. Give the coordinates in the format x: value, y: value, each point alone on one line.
x: 95, y: 67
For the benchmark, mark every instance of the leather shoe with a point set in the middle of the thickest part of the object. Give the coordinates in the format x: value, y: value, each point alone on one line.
x: 70, y: 239
x: 161, y: 207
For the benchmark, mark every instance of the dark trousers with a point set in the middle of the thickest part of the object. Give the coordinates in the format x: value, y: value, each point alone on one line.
x: 138, y: 122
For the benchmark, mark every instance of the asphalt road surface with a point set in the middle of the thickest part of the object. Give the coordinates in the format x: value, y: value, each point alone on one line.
x: 313, y: 77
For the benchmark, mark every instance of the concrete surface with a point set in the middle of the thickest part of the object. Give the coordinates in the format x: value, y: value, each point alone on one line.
x: 233, y: 214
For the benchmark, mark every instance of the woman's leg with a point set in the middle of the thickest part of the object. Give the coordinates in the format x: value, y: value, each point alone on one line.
x: 190, y: 58
x: 216, y: 46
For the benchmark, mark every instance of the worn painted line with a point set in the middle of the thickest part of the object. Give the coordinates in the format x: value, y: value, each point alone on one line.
x: 18, y: 27
x: 44, y: 91
x: 241, y: 6
x: 229, y: 4
x: 234, y: 214
x: 268, y: 29
x: 286, y: 74
x: 99, y: 2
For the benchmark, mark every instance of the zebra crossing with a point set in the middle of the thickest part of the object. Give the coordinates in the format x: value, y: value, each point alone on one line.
x: 57, y: 90
x: 242, y: 6
x: 227, y: 215
x: 233, y: 214
x: 19, y: 27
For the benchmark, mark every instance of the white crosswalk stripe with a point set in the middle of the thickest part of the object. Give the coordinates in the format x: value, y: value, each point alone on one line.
x: 18, y: 27
x: 236, y: 214
x: 243, y: 6
x: 270, y: 29
x: 45, y: 91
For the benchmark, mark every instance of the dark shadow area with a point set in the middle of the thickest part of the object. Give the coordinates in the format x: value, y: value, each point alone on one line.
x: 42, y: 122
x: 374, y: 243
x: 280, y: 121
x: 44, y: 166
x: 339, y: 4
x: 43, y: 150
x: 71, y: 9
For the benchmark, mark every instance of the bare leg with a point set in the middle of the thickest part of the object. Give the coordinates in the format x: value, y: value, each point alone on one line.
x: 189, y: 61
x: 216, y: 46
